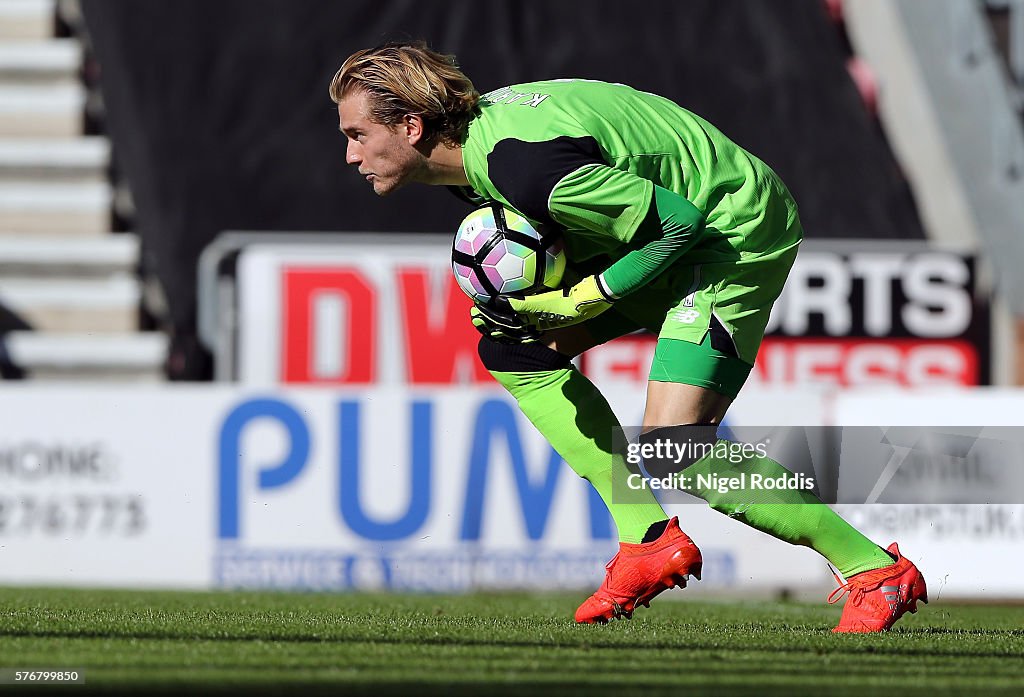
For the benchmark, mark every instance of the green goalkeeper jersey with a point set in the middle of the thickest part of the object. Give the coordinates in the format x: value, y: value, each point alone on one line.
x: 586, y: 155
x: 599, y: 160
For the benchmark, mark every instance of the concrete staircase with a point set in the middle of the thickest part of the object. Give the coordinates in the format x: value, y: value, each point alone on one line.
x: 62, y: 271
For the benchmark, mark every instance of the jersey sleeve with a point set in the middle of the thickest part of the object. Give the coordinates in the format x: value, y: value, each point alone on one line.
x: 566, y: 181
x: 602, y: 199
x: 673, y: 225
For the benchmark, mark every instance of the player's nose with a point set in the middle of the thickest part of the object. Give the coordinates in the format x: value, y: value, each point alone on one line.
x: 352, y: 155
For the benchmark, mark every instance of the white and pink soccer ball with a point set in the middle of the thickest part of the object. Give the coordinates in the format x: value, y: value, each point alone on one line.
x: 498, y: 252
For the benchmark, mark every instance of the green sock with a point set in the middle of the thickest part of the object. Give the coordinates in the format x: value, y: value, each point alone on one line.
x: 794, y: 515
x: 575, y: 418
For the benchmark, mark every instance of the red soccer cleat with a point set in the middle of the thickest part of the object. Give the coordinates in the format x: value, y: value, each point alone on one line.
x: 639, y: 572
x: 880, y: 597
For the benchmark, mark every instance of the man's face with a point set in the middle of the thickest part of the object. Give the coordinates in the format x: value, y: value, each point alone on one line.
x: 384, y: 154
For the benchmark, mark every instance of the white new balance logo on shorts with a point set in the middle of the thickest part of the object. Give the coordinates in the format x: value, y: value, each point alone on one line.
x: 686, y: 316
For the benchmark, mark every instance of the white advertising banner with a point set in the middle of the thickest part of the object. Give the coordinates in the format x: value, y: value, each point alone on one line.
x: 388, y: 311
x: 106, y: 487
x: 387, y: 488
x: 973, y: 450
x: 358, y: 314
x: 444, y: 489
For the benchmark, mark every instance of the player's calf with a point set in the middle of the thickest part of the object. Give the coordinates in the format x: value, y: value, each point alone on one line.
x: 668, y: 450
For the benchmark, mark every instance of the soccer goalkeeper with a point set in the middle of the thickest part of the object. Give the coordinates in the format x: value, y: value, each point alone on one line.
x: 668, y: 226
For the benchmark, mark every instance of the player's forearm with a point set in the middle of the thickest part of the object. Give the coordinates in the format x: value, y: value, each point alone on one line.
x: 675, y: 225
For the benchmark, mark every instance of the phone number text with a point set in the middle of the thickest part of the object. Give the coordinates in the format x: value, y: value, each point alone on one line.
x: 119, y: 515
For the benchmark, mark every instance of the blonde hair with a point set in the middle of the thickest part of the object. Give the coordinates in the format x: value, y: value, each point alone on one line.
x: 409, y: 78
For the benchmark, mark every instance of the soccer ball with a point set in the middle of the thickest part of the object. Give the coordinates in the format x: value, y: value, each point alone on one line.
x: 498, y: 252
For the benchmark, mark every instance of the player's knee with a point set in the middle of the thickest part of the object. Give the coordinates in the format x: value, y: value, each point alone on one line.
x: 519, y: 358
x: 668, y: 450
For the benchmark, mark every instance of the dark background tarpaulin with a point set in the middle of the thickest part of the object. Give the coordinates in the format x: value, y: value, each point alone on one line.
x: 220, y: 118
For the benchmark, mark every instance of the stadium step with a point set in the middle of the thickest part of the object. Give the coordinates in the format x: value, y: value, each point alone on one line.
x: 73, y: 208
x: 27, y: 19
x: 54, y: 160
x: 46, y: 111
x: 134, y: 356
x: 60, y: 268
x: 29, y: 62
x: 40, y: 256
x: 74, y: 305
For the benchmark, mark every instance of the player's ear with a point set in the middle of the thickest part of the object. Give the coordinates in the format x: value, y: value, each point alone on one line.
x: 414, y: 128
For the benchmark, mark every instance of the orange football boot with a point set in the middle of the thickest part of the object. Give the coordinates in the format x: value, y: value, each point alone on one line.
x: 639, y: 572
x: 880, y: 597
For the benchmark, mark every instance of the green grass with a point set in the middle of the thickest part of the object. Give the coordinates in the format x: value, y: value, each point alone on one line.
x: 138, y: 642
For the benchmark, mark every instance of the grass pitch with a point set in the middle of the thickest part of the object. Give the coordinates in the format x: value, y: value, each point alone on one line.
x: 146, y: 642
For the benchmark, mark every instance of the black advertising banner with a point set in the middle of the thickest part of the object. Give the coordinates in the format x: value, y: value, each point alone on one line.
x: 862, y: 313
x: 859, y: 313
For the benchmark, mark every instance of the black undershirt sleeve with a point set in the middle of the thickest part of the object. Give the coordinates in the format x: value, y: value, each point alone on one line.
x: 526, y: 173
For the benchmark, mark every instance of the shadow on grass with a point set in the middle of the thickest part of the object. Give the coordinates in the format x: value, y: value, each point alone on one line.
x: 857, y: 643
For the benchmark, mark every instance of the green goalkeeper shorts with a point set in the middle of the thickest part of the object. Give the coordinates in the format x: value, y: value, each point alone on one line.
x: 699, y: 364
